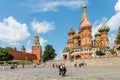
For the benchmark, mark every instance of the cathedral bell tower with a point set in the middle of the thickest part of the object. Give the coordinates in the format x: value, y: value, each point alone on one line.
x: 36, y: 49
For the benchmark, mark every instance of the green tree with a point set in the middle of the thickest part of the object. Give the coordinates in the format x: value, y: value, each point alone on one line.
x: 10, y: 48
x: 112, y: 51
x: 49, y: 53
x: 15, y: 48
x: 4, y: 55
x: 100, y: 53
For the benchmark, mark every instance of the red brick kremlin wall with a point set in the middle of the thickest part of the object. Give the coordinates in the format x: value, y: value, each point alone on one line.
x: 18, y: 55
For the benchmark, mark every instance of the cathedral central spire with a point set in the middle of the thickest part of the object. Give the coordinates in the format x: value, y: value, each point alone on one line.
x: 84, y: 17
x: 85, y: 23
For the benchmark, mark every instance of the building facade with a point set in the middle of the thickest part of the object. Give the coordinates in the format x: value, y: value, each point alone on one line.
x: 35, y: 56
x: 81, y: 44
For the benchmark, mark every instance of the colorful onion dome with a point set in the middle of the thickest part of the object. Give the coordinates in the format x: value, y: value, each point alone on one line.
x: 70, y: 40
x: 71, y: 31
x: 107, y: 28
x: 104, y: 27
x: 99, y: 29
x: 97, y: 33
x: 85, y: 24
x: 66, y: 49
x: 76, y: 35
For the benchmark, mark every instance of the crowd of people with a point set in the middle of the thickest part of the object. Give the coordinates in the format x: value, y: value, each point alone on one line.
x: 80, y: 64
x: 61, y: 67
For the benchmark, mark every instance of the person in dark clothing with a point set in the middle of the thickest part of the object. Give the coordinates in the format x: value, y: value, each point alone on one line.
x: 34, y: 65
x: 53, y: 65
x: 75, y: 65
x: 80, y: 65
x: 60, y: 67
x: 64, y: 70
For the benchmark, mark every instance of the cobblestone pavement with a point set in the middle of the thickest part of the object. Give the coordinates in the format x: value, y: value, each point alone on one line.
x: 49, y: 73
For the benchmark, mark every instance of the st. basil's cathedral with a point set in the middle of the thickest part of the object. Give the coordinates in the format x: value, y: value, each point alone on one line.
x: 81, y: 44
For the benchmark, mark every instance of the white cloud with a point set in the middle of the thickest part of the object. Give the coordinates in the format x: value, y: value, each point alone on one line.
x: 42, y: 27
x: 29, y: 46
x: 114, y: 21
x: 12, y: 32
x: 112, y: 37
x: 117, y: 6
x: 14, y: 43
x: 104, y: 19
x: 42, y: 42
x: 53, y: 5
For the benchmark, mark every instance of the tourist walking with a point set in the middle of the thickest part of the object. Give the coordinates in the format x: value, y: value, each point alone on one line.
x: 23, y: 65
x: 12, y: 66
x: 60, y: 67
x: 53, y: 65
x: 75, y: 65
x: 64, y: 70
x: 34, y: 65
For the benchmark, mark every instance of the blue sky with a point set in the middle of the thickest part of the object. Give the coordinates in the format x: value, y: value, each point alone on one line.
x: 19, y: 20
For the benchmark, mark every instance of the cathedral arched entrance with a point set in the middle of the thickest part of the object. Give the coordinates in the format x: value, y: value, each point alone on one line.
x: 65, y: 56
x: 77, y: 56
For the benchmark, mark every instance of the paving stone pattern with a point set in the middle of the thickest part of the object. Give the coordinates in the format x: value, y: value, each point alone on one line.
x: 49, y: 73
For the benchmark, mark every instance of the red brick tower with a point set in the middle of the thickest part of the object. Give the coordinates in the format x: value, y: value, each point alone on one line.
x: 36, y: 49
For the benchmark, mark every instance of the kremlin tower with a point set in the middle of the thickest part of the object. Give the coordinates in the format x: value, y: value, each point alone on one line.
x: 36, y: 49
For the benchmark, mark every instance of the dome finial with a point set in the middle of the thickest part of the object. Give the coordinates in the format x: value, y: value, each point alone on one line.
x: 71, y: 31
x: 84, y: 17
x: 84, y: 7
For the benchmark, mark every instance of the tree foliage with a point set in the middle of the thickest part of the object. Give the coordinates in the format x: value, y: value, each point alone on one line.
x: 112, y: 51
x: 100, y: 53
x: 4, y: 55
x: 49, y: 53
x: 10, y: 48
